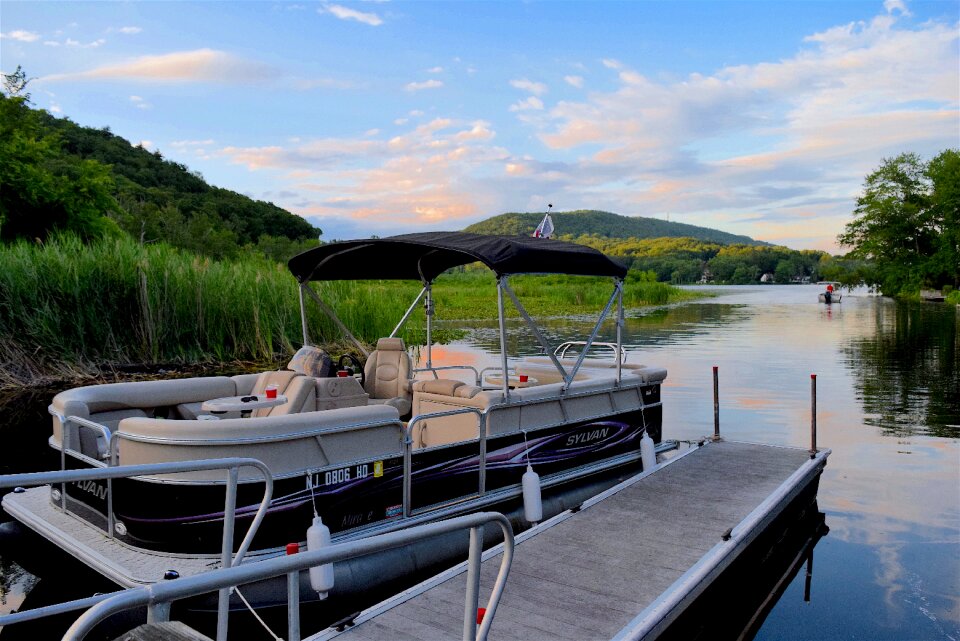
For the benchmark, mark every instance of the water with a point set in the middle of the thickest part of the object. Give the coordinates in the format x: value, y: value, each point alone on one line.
x: 888, y: 387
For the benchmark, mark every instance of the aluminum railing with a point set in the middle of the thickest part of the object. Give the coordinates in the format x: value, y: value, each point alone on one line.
x: 159, y: 596
x: 563, y: 348
x: 231, y: 465
x: 408, y: 452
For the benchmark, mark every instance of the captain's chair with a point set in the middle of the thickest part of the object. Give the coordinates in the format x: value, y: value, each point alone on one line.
x: 388, y: 373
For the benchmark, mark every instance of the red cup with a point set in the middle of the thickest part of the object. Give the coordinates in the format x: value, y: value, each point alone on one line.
x: 342, y: 374
x: 293, y: 548
x: 524, y: 378
x: 271, y: 391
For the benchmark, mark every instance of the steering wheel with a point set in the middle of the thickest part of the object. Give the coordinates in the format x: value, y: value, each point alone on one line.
x: 358, y: 366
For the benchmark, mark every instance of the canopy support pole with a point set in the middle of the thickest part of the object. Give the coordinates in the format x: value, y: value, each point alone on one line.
x: 593, y: 336
x: 343, y: 328
x: 501, y: 283
x: 428, y: 308
x: 403, y: 321
x: 303, y: 314
x: 618, y: 283
x: 536, y: 330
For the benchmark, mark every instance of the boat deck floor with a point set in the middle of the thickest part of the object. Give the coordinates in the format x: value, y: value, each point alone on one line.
x: 587, y: 575
x: 126, y: 565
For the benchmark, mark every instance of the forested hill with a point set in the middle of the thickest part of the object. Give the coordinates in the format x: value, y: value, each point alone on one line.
x: 58, y: 175
x: 589, y: 222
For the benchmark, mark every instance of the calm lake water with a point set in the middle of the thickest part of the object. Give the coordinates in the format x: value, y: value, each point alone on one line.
x: 888, y: 406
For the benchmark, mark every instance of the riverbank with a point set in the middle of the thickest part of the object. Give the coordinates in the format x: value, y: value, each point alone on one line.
x: 76, y: 311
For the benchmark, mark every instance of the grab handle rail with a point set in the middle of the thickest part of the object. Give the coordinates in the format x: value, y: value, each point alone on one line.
x: 562, y: 349
x: 158, y: 596
x: 434, y: 370
x: 232, y: 465
x: 408, y: 451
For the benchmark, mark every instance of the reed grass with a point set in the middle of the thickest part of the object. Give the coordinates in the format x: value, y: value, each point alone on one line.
x: 73, y: 308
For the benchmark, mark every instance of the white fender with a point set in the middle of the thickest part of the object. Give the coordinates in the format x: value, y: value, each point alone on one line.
x: 532, y: 503
x: 321, y: 576
x: 648, y: 453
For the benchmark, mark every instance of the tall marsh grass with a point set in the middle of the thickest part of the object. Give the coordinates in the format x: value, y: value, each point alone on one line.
x: 67, y: 306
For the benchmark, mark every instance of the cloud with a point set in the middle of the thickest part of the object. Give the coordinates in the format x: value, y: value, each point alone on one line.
x: 531, y: 103
x: 51, y: 43
x: 21, y: 36
x: 898, y: 5
x: 90, y: 45
x: 140, y: 103
x: 435, y: 70
x: 130, y: 30
x: 202, y: 65
x: 428, y: 175
x: 536, y: 88
x: 426, y: 84
x: 610, y: 63
x: 345, y: 13
x: 574, y: 81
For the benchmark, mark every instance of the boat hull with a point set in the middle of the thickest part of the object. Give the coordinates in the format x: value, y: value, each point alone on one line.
x: 187, y: 517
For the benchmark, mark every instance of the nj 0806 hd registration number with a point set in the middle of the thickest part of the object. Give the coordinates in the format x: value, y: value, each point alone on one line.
x: 351, y: 473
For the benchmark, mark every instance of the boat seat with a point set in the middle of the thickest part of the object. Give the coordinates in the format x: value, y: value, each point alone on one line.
x: 444, y: 395
x: 388, y: 373
x: 308, y: 361
x: 300, y: 390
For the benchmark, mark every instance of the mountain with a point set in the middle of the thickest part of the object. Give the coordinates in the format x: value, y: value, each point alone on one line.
x: 584, y: 222
x: 58, y: 175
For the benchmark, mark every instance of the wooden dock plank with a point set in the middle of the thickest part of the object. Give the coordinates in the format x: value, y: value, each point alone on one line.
x: 587, y: 576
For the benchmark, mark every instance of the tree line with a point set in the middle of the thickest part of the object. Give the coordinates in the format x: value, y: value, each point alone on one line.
x: 58, y: 176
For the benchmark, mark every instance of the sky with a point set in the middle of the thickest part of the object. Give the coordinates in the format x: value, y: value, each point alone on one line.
x: 755, y: 118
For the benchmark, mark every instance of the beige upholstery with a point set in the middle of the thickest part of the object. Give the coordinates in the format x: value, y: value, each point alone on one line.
x: 388, y: 371
x: 444, y: 395
x: 109, y: 403
x: 300, y: 391
x: 338, y: 392
x: 288, y: 445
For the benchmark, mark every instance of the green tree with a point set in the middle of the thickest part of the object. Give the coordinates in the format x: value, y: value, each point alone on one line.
x: 41, y: 189
x: 906, y: 223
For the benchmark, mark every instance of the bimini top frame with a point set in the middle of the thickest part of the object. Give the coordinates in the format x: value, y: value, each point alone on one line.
x: 425, y: 256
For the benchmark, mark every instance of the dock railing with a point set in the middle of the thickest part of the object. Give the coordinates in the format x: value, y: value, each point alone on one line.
x: 227, y: 557
x: 159, y: 596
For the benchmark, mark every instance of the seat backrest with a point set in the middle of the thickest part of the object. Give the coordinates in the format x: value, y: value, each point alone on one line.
x: 388, y: 369
x: 311, y: 361
x: 300, y: 391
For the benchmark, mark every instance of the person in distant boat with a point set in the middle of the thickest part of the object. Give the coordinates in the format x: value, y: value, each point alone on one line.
x: 828, y: 295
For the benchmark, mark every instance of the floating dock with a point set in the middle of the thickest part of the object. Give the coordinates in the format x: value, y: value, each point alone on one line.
x: 629, y: 562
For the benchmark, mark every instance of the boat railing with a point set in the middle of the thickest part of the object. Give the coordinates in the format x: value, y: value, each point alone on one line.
x: 434, y: 370
x: 231, y: 465
x: 495, y: 370
x: 563, y: 348
x: 408, y: 452
x: 158, y: 597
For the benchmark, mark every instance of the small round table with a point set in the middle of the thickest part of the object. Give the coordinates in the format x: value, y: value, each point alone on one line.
x: 513, y: 382
x: 238, y: 404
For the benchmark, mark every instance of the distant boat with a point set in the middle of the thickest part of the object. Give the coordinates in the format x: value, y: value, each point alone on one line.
x: 832, y: 293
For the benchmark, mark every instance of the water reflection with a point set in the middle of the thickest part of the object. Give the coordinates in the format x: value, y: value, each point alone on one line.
x: 906, y: 373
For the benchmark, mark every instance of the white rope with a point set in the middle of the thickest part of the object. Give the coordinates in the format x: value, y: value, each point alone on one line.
x: 255, y: 615
x: 313, y: 498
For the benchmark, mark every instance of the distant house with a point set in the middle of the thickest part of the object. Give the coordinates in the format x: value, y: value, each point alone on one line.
x: 705, y: 277
x: 766, y: 278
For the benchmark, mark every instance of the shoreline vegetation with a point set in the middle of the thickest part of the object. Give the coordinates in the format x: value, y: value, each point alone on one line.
x: 74, y: 310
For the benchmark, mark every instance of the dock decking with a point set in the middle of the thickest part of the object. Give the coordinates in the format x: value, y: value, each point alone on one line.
x: 625, y: 564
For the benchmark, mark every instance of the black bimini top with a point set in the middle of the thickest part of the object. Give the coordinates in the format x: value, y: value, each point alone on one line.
x: 425, y: 256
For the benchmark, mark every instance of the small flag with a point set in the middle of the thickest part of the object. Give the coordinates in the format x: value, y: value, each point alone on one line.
x: 545, y: 228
